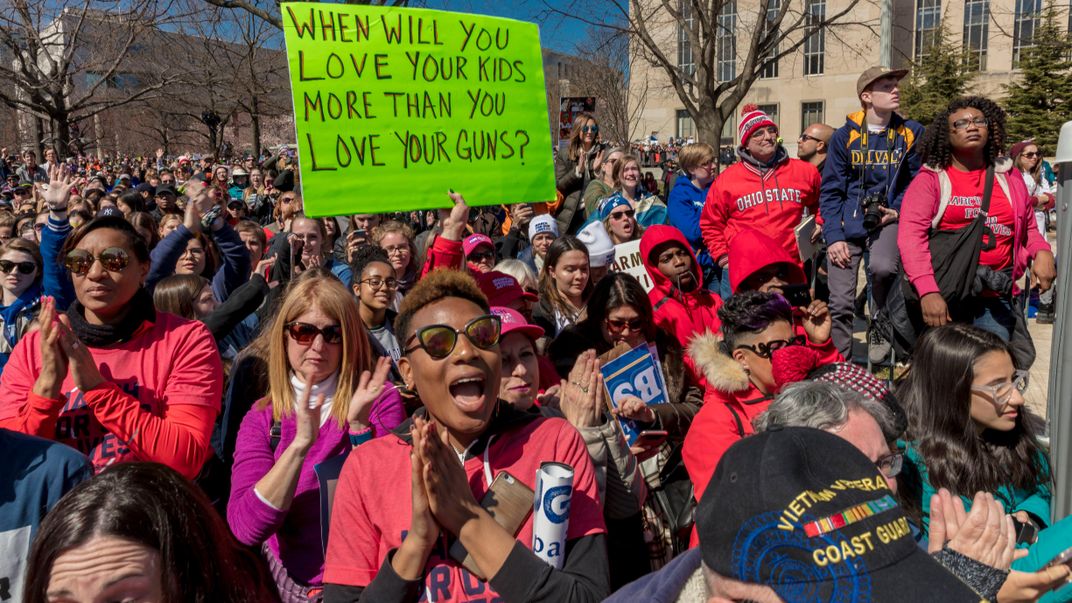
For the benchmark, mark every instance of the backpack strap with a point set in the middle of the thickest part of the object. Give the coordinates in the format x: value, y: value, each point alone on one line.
x: 660, y: 303
x: 274, y: 435
x: 945, y: 193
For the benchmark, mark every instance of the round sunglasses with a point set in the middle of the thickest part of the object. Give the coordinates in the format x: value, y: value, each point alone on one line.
x: 113, y: 259
x: 6, y: 266
x: 438, y: 341
x: 304, y: 333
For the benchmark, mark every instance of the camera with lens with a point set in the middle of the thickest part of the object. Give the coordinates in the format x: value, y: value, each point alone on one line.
x: 872, y: 204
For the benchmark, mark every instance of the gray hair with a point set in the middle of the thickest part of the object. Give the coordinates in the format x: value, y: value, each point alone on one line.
x: 517, y: 269
x: 820, y: 405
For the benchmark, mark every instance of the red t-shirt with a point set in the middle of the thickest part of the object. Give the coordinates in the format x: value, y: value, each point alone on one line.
x: 166, y: 364
x: 964, y: 205
x: 373, y: 505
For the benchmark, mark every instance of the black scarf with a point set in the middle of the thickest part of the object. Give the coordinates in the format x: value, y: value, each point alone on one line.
x: 99, y: 336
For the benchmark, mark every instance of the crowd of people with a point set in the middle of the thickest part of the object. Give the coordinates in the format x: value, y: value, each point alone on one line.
x: 208, y: 395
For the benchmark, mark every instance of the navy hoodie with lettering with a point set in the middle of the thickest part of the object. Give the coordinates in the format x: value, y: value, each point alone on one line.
x: 860, y: 162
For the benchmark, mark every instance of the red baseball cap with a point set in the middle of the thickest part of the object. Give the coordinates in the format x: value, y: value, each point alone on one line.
x: 514, y: 322
x: 501, y: 288
x: 471, y: 242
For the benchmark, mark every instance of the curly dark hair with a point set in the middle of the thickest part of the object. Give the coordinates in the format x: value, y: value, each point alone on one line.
x: 938, y: 152
x: 365, y: 255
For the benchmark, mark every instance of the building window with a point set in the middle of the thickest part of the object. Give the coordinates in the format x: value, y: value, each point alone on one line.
x: 815, y: 45
x: 1028, y: 13
x: 812, y: 112
x: 976, y: 27
x: 772, y: 112
x: 684, y: 45
x: 726, y: 42
x: 686, y: 128
x: 770, y: 70
x: 928, y: 25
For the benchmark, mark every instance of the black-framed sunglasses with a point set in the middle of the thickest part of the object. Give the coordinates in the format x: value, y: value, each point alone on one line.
x: 764, y: 350
x: 806, y: 137
x: 6, y: 266
x: 618, y: 325
x: 479, y: 256
x: 113, y: 259
x: 304, y: 333
x: 438, y: 341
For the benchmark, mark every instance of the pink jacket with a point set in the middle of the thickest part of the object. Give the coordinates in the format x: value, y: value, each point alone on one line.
x: 920, y: 205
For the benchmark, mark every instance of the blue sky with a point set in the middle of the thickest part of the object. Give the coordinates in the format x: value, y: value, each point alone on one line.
x: 556, y: 33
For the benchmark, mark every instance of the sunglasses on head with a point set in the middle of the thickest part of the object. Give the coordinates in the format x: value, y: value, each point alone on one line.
x: 438, y: 341
x: 113, y: 259
x: 304, y: 333
x: 6, y: 266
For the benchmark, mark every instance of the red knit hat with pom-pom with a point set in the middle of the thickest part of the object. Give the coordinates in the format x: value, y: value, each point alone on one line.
x: 752, y: 119
x: 792, y: 364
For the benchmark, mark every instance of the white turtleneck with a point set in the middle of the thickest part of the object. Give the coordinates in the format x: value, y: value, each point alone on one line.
x: 325, y: 387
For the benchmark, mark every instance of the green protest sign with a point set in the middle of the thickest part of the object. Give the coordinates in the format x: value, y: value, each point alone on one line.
x: 394, y: 106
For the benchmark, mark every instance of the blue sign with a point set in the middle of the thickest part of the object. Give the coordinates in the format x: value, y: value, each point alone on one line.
x: 634, y: 373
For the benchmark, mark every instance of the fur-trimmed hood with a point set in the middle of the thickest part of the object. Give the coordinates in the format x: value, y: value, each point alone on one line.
x: 721, y: 371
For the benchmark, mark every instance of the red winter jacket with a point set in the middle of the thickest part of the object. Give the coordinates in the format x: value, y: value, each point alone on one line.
x: 752, y: 251
x: 684, y: 314
x: 769, y: 200
x: 731, y: 403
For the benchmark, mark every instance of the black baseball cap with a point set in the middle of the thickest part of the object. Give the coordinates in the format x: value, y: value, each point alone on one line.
x: 806, y: 513
x: 166, y: 189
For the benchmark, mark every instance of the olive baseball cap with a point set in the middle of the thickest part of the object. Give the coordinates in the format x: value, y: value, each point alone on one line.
x: 876, y: 73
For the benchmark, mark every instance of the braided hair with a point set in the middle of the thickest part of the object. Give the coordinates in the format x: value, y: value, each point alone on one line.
x: 938, y: 152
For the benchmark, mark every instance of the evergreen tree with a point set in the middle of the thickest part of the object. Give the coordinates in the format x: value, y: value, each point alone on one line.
x: 940, y: 75
x: 1041, y: 99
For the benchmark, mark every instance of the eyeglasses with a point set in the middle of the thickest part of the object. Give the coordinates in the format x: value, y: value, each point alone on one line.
x: 304, y: 333
x: 806, y: 137
x: 480, y: 256
x: 617, y: 325
x: 962, y: 124
x: 592, y: 129
x: 890, y: 465
x: 439, y: 340
x: 396, y: 249
x: 621, y: 215
x: 376, y: 282
x: 1002, y: 392
x: 764, y: 350
x: 113, y: 259
x: 7, y: 266
x: 1030, y: 154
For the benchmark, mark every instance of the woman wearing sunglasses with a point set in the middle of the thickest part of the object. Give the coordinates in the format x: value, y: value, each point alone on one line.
x: 969, y: 431
x: 961, y: 150
x: 740, y: 379
x: 204, y: 244
x: 619, y: 218
x: 20, y: 269
x: 112, y: 377
x: 574, y: 169
x: 325, y: 396
x: 1027, y: 156
x: 619, y: 312
x: 403, y: 499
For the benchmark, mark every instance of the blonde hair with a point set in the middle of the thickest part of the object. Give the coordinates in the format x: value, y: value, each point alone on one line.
x: 576, y: 139
x: 325, y: 293
x: 692, y: 156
